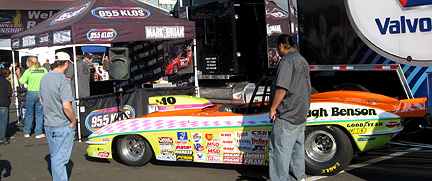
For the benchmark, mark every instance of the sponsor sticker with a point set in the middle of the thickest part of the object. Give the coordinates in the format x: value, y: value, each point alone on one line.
x: 233, y: 158
x: 260, y: 134
x: 214, y: 159
x: 198, y: 147
x: 226, y: 136
x: 209, y: 137
x: 103, y: 154
x: 241, y: 134
x: 182, y: 136
x: 391, y: 124
x: 200, y: 157
x: 166, y: 158
x: 165, y: 139
x: 197, y: 138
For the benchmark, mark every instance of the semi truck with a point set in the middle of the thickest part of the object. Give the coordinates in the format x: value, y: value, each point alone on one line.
x: 373, y: 46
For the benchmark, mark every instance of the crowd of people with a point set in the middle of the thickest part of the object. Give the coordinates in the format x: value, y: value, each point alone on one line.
x: 50, y: 103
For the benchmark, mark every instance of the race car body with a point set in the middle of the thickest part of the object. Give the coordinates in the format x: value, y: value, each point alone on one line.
x: 194, y: 130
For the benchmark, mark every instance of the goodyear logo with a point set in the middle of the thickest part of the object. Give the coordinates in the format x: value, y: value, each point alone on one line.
x: 69, y: 14
x: 120, y: 12
x: 411, y: 3
x: 106, y: 34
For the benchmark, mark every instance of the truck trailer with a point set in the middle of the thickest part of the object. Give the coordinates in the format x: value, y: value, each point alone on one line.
x: 380, y: 47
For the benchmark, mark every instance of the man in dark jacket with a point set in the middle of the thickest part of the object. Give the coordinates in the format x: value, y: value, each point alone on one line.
x: 5, y: 94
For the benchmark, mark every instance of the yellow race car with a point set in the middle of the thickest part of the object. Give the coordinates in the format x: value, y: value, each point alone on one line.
x: 191, y: 129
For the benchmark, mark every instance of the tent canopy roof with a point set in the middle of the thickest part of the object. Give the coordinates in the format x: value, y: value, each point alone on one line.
x: 103, y: 21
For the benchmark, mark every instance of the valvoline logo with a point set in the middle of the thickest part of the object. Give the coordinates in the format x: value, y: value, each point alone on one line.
x: 69, y: 14
x: 410, y: 3
x: 120, y: 12
x: 106, y: 34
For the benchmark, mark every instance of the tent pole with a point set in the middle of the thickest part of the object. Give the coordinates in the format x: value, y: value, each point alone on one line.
x: 15, y: 77
x: 76, y: 92
x: 197, y: 94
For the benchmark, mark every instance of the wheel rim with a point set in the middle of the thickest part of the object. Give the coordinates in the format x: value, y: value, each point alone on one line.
x: 175, y: 68
x: 133, y: 148
x: 320, y: 146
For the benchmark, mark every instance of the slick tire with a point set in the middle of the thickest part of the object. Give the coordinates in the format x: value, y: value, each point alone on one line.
x: 328, y: 150
x: 134, y: 150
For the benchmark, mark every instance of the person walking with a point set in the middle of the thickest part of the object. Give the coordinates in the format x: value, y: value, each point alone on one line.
x: 32, y: 77
x: 47, y: 65
x: 5, y: 94
x: 289, y: 111
x: 60, y: 118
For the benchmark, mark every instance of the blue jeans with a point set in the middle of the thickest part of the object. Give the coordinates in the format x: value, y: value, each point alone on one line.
x: 60, y: 142
x: 286, y: 151
x: 33, y: 106
x: 4, y: 120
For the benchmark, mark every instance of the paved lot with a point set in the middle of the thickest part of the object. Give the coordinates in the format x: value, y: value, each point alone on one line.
x: 28, y: 159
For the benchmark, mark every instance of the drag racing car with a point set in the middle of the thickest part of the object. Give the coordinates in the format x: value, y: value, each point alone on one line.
x: 191, y: 129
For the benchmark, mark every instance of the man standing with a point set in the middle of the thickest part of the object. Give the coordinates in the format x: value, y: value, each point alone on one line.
x: 5, y: 94
x: 289, y: 111
x: 60, y: 119
x: 47, y: 65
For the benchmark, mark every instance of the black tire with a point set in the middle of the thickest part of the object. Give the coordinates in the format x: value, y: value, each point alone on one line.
x: 175, y: 69
x: 134, y: 150
x: 328, y: 150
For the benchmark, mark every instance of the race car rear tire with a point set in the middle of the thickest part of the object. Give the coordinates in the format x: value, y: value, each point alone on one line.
x: 328, y: 150
x: 134, y: 150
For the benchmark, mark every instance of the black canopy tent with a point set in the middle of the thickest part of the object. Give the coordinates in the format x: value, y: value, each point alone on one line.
x: 103, y: 21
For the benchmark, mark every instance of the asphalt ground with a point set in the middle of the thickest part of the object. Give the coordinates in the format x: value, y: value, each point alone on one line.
x: 28, y: 159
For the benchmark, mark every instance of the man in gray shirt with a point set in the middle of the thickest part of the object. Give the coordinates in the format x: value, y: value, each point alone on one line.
x: 60, y: 120
x: 83, y: 72
x: 289, y: 111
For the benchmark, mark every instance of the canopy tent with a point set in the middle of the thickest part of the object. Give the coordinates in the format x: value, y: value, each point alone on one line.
x: 103, y: 21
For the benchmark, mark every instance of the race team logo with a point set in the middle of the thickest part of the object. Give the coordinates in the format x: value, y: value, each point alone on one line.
x: 15, y: 43
x: 107, y: 34
x: 120, y: 12
x: 43, y: 39
x: 69, y: 14
x: 411, y: 3
x: 277, y: 14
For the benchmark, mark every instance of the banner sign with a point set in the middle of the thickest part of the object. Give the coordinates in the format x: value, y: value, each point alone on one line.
x: 120, y: 12
x: 16, y: 21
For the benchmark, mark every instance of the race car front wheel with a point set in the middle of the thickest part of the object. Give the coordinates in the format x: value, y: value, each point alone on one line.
x: 133, y: 150
x: 328, y: 150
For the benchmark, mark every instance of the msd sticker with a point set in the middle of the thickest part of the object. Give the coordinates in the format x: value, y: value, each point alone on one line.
x: 120, y: 12
x: 96, y: 35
